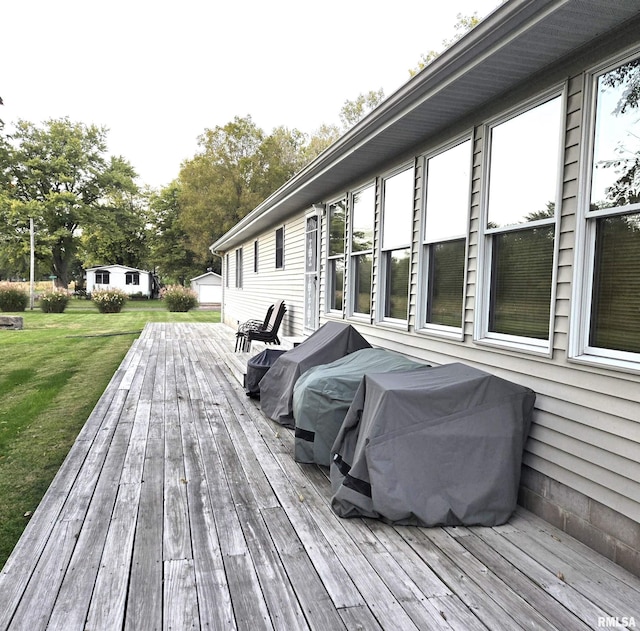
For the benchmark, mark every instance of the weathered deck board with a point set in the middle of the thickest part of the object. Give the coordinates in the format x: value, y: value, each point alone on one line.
x: 180, y: 507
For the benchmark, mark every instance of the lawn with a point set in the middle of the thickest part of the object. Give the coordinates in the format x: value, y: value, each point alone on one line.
x: 52, y: 373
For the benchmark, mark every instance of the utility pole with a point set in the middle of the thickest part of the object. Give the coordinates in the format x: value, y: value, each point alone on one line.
x: 32, y: 264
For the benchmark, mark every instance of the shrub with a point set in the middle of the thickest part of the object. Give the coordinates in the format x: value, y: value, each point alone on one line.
x: 179, y: 298
x: 109, y: 300
x: 54, y: 301
x: 12, y: 298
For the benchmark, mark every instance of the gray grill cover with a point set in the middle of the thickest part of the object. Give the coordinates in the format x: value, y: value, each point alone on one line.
x: 257, y: 367
x: 330, y: 342
x: 322, y: 396
x: 434, y: 446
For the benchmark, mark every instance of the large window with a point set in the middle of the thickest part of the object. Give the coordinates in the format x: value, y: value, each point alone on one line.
x: 361, y: 251
x: 397, y: 222
x: 520, y: 224
x: 448, y: 184
x: 610, y: 317
x: 335, y: 255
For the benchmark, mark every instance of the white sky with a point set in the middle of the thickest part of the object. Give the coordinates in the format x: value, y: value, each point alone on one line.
x: 156, y: 74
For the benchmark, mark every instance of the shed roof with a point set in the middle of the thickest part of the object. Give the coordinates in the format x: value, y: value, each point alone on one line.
x: 213, y: 274
x: 126, y: 268
x: 520, y: 39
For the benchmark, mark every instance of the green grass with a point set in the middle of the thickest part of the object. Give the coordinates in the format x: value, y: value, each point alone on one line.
x: 52, y: 373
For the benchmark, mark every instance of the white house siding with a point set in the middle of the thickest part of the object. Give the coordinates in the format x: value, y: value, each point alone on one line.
x: 270, y: 284
x: 581, y: 467
x: 322, y: 266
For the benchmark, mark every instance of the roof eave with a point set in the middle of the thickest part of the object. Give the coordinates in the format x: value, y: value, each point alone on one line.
x: 501, y: 28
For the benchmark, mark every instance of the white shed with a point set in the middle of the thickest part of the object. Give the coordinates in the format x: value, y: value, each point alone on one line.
x: 129, y: 279
x: 208, y: 286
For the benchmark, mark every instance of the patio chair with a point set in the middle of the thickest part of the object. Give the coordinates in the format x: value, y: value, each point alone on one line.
x: 267, y: 333
x: 251, y: 325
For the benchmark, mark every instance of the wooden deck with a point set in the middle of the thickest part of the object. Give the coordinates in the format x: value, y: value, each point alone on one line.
x: 181, y: 507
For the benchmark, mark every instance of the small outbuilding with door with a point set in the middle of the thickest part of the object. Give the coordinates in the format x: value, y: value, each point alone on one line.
x: 208, y: 287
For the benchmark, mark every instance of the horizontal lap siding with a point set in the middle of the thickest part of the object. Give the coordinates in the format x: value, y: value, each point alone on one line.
x: 474, y: 227
x: 322, y: 263
x: 590, y: 419
x: 586, y: 424
x: 414, y: 273
x: 586, y: 431
x: 270, y: 284
x: 376, y: 286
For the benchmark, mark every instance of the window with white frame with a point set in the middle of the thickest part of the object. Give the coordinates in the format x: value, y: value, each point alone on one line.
x: 361, y: 249
x: 335, y: 255
x: 397, y: 227
x: 447, y: 189
x: 239, y: 268
x: 255, y: 256
x: 520, y: 224
x: 610, y: 317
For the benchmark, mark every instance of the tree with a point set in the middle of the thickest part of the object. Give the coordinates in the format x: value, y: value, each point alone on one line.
x: 59, y: 175
x: 118, y: 236
x: 461, y: 27
x: 354, y: 111
x: 320, y: 140
x: 173, y: 261
x: 237, y: 167
x: 279, y: 157
x: 625, y: 81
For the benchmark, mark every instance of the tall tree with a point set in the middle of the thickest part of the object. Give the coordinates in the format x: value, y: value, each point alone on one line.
x: 59, y: 175
x: 319, y: 140
x: 172, y: 259
x: 463, y: 25
x: 625, y: 81
x: 354, y: 111
x: 236, y: 168
x: 118, y: 235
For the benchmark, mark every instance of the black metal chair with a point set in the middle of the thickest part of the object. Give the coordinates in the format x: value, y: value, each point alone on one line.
x: 268, y: 333
x: 251, y: 325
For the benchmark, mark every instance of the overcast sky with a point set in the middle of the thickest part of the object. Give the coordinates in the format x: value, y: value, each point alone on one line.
x: 157, y: 74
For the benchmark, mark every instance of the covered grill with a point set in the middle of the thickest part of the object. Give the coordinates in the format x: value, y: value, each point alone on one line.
x: 434, y: 446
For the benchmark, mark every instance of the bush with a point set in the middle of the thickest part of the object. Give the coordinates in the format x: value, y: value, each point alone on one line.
x: 109, y: 300
x: 179, y: 298
x: 12, y: 298
x: 54, y: 301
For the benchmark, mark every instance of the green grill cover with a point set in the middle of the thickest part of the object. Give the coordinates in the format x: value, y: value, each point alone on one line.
x: 322, y: 396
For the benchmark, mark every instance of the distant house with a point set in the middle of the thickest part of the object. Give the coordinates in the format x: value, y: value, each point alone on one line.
x: 129, y: 279
x: 208, y: 286
x: 487, y: 212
